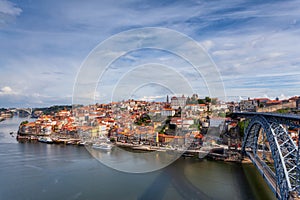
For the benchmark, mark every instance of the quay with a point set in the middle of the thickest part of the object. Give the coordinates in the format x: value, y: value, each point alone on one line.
x: 54, y: 140
x: 216, y: 153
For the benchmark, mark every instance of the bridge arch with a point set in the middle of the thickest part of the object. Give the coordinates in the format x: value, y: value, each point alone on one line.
x: 284, y: 152
x: 29, y: 110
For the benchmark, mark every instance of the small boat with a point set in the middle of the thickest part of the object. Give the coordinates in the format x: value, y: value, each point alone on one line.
x: 187, y: 155
x: 45, y: 140
x: 102, y: 146
x: 80, y: 143
x: 33, y: 137
x: 71, y: 142
x: 21, y: 137
x: 56, y: 141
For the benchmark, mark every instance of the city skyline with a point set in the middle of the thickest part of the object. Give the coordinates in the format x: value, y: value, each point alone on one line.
x: 253, y: 44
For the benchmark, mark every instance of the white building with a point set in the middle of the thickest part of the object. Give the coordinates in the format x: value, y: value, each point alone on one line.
x: 168, y: 112
x: 177, y: 102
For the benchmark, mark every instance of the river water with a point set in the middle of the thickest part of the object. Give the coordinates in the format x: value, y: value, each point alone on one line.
x: 44, y: 171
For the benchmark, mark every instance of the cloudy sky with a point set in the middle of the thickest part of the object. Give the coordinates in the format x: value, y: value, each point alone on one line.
x: 254, y: 45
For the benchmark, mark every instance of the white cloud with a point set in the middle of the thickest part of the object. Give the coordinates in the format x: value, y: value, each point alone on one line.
x: 152, y: 98
x: 9, y: 8
x: 6, y: 90
x: 254, y: 44
x: 207, y: 44
x: 8, y: 12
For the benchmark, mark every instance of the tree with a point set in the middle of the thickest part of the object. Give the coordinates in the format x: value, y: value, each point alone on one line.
x: 24, y: 122
x: 144, y: 119
x: 207, y: 99
x: 222, y: 114
x: 201, y: 101
x: 242, y: 125
x: 261, y: 105
x: 214, y: 101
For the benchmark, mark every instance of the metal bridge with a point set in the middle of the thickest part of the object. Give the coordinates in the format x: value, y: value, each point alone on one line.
x: 267, y: 133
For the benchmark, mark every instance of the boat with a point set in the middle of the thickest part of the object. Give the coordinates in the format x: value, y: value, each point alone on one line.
x: 102, y: 146
x: 32, y: 137
x: 22, y: 137
x: 143, y: 148
x: 47, y: 140
x: 187, y: 155
x: 71, y: 142
x: 81, y: 143
x: 56, y: 141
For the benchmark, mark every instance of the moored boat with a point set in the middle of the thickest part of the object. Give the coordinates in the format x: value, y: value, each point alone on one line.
x: 47, y: 140
x: 103, y: 146
x: 81, y: 143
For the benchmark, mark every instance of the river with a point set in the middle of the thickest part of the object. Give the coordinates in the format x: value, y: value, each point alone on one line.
x: 45, y: 171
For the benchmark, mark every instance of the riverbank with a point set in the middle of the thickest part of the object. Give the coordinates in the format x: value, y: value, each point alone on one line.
x: 216, y: 153
x: 50, y: 140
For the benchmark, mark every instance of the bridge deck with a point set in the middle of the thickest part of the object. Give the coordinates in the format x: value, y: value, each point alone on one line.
x: 277, y: 115
x: 267, y: 174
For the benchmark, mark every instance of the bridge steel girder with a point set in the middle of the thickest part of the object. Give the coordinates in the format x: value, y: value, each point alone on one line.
x: 285, y: 152
x: 290, y: 120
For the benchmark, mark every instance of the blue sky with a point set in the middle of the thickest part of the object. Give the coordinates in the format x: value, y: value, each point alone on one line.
x: 254, y: 44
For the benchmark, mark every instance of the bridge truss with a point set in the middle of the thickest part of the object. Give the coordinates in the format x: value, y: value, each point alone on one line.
x: 284, y: 151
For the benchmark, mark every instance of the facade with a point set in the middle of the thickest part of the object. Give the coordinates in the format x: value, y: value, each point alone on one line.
x: 177, y: 102
x: 261, y: 102
x: 216, y: 122
x: 248, y: 105
x: 168, y: 112
x: 298, y: 104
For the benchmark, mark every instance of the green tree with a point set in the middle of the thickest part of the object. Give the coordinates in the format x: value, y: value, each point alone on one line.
x: 144, y: 119
x: 201, y: 101
x: 221, y: 114
x: 214, y: 101
x: 283, y: 111
x: 242, y: 125
x: 24, y: 122
x: 261, y: 105
x: 207, y: 100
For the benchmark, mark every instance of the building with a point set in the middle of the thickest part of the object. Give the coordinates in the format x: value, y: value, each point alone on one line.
x: 177, y: 102
x: 261, y: 102
x: 249, y: 105
x: 168, y: 112
x: 298, y: 104
x: 216, y: 122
